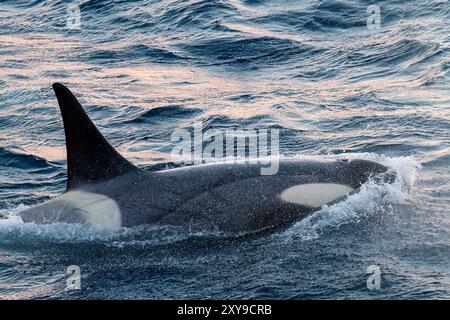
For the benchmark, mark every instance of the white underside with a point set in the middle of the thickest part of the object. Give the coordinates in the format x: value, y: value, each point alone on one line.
x: 96, y: 209
x: 315, y: 195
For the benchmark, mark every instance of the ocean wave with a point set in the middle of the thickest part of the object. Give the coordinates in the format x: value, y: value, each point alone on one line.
x: 165, y: 113
x: 20, y: 160
x: 133, y: 52
x: 237, y: 51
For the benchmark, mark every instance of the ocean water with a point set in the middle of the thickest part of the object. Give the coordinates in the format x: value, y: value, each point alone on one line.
x: 334, y: 87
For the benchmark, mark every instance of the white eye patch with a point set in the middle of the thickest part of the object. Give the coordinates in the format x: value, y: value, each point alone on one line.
x: 315, y: 195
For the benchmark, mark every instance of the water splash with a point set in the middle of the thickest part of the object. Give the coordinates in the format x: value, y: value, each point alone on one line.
x: 371, y: 199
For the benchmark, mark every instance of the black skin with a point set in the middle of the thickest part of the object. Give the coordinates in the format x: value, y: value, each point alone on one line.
x: 231, y: 197
x: 226, y: 197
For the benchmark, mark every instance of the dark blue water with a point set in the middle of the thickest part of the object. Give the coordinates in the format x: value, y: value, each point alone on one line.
x: 312, y: 69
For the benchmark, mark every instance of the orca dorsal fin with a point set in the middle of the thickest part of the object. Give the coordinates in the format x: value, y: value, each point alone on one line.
x: 90, y: 158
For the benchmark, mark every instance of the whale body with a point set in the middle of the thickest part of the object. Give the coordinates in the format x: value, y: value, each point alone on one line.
x: 104, y: 189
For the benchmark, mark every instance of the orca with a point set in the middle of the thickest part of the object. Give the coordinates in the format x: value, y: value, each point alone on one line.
x: 106, y: 190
